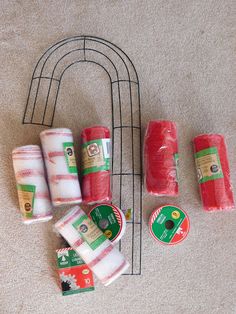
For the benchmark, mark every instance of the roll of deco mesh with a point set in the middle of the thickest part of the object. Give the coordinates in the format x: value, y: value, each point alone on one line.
x: 161, y: 158
x: 59, y: 155
x: 213, y: 172
x: 33, y: 194
x: 96, y: 182
x: 92, y: 245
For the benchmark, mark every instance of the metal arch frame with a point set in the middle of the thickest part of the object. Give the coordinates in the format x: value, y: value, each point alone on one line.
x: 118, y: 52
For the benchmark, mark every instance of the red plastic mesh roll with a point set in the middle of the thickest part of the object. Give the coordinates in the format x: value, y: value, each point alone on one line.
x: 96, y: 183
x: 213, y: 172
x: 161, y: 158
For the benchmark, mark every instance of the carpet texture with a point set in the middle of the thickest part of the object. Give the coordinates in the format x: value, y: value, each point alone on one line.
x: 184, y: 54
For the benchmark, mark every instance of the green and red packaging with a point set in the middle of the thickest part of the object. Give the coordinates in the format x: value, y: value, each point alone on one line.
x: 169, y: 224
x: 213, y: 172
x: 96, y: 156
x: 110, y: 220
x: 74, y: 274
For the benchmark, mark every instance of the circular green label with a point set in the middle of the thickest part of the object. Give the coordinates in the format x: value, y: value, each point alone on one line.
x: 169, y: 224
x: 109, y: 220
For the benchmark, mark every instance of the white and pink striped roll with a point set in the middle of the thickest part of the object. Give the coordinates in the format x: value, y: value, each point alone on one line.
x: 59, y: 155
x: 92, y: 245
x: 33, y: 194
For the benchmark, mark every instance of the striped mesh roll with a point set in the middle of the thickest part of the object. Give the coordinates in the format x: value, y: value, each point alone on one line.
x: 91, y: 244
x: 33, y: 194
x: 58, y: 150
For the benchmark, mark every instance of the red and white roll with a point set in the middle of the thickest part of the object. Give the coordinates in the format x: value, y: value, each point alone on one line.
x: 33, y: 194
x: 59, y: 155
x: 91, y: 244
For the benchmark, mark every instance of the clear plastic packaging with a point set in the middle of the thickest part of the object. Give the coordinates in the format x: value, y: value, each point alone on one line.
x: 96, y: 156
x: 213, y: 172
x: 92, y: 245
x: 161, y: 158
x: 33, y: 194
x: 58, y: 149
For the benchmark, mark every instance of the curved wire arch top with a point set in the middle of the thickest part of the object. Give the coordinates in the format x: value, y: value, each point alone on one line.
x: 125, y: 117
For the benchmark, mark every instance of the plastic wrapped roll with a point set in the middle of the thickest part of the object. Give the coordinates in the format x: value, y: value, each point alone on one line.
x: 96, y: 185
x: 59, y: 155
x: 33, y: 194
x: 161, y: 158
x: 91, y: 244
x: 213, y: 172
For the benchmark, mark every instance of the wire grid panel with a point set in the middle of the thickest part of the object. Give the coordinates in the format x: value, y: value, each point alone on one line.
x: 126, y: 121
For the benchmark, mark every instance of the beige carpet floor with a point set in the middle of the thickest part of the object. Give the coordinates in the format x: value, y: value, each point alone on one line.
x: 184, y: 53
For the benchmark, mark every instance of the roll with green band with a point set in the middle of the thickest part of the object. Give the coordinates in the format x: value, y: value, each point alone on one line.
x: 169, y: 224
x: 110, y: 220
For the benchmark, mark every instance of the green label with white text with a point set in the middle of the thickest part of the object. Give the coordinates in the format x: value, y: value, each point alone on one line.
x: 68, y: 258
x: 169, y: 224
x: 90, y: 233
x: 108, y: 219
x: 208, y: 165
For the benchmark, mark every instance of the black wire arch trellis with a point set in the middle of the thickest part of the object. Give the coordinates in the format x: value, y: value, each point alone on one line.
x: 126, y: 117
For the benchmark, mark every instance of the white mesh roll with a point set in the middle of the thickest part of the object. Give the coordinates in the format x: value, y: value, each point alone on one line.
x: 91, y: 244
x: 58, y: 149
x: 33, y: 194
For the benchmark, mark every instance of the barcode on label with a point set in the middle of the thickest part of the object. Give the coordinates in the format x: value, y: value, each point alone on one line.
x: 106, y: 145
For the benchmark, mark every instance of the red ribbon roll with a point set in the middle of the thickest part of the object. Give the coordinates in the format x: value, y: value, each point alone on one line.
x: 96, y: 185
x: 213, y: 172
x: 161, y: 158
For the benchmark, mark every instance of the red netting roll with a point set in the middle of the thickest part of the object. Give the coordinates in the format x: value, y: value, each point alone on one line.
x: 161, y: 158
x: 213, y: 172
x: 96, y: 182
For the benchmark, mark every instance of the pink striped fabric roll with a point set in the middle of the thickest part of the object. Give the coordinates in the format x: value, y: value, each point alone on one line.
x: 33, y: 194
x: 92, y: 245
x: 59, y: 155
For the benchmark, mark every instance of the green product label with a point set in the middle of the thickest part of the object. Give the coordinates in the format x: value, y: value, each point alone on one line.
x: 68, y: 258
x: 176, y: 158
x: 69, y: 153
x: 169, y: 225
x: 77, y: 291
x: 96, y: 156
x: 208, y: 165
x: 26, y: 195
x: 89, y: 232
x: 108, y: 219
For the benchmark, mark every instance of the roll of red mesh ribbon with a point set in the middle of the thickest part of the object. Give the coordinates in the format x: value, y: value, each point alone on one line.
x: 161, y: 158
x: 96, y: 182
x: 213, y: 172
